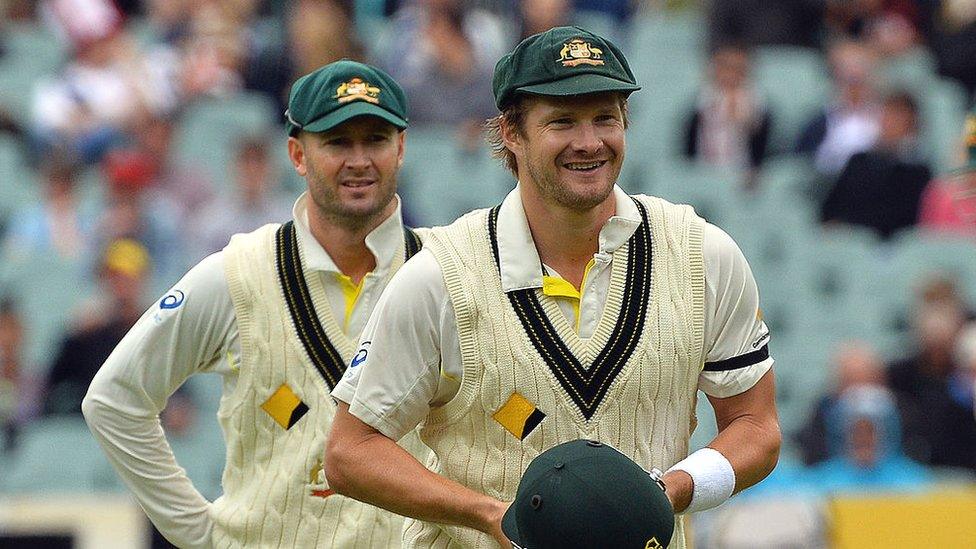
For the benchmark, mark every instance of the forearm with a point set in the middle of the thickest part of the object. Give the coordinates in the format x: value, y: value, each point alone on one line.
x: 744, y: 452
x: 751, y: 446
x: 139, y: 452
x: 368, y: 466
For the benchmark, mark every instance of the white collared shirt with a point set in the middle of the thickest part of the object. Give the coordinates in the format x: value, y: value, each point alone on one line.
x: 413, y: 342
x: 200, y: 335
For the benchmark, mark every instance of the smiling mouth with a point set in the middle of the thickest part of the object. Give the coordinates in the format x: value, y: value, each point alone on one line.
x: 357, y: 184
x: 584, y: 166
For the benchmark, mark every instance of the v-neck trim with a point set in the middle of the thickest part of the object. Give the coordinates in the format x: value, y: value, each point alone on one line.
x: 620, y: 327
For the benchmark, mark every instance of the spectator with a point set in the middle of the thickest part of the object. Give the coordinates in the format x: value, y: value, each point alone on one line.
x: 850, y: 123
x: 729, y: 127
x: 955, y: 48
x: 866, y: 454
x: 109, y: 84
x: 254, y: 200
x: 541, y: 15
x: 891, y: 27
x: 949, y: 204
x: 443, y: 54
x: 19, y: 395
x: 136, y: 210
x: 881, y: 188
x: 186, y: 186
x: 320, y: 32
x: 58, y: 226
x: 939, y: 430
x: 963, y: 385
x: 765, y: 22
x: 857, y: 365
x: 123, y: 274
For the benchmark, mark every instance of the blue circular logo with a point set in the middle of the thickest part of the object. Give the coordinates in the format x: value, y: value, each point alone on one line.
x: 172, y: 300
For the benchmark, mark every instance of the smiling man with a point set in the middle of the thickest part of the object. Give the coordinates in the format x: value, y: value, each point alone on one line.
x: 570, y: 311
x: 277, y: 314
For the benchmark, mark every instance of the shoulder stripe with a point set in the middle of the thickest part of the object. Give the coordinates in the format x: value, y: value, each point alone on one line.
x: 741, y: 361
x: 412, y: 242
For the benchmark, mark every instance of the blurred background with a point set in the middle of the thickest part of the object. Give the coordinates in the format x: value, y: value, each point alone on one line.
x: 826, y: 136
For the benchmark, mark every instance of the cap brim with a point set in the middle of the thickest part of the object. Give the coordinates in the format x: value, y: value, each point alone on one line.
x: 509, y: 528
x: 350, y: 111
x: 580, y: 85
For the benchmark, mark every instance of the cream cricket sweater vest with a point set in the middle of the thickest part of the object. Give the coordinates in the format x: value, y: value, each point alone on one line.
x: 276, y: 421
x: 531, y: 383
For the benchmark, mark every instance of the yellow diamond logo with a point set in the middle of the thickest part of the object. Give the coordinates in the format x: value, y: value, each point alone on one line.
x: 519, y: 416
x: 285, y: 407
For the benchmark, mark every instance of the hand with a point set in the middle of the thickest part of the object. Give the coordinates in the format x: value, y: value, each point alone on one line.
x: 679, y: 487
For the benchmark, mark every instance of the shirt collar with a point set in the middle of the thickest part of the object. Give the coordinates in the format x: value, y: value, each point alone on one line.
x: 384, y: 242
x: 519, y: 262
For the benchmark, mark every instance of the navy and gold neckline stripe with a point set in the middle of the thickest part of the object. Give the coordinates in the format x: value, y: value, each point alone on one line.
x: 324, y: 356
x: 587, y: 387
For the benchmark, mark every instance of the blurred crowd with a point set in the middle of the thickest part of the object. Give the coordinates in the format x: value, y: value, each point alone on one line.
x: 120, y: 215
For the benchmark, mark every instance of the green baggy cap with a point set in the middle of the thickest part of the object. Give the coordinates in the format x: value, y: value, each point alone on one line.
x: 587, y: 494
x: 562, y: 61
x: 337, y: 92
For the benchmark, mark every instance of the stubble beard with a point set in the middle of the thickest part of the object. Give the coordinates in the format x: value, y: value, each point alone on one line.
x: 550, y: 187
x: 326, y: 201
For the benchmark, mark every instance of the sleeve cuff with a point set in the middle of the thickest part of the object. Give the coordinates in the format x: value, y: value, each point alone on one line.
x: 344, y: 392
x: 374, y: 420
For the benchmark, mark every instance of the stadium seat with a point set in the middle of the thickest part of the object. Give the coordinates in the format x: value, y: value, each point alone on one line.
x: 18, y: 185
x: 210, y: 128
x: 440, y: 181
x: 58, y: 455
x: 33, y: 52
x: 795, y: 84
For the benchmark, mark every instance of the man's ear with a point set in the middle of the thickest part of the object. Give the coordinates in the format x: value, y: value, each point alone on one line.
x: 511, y: 136
x: 401, y: 147
x: 296, y: 153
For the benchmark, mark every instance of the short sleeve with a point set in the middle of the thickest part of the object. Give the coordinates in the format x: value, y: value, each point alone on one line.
x: 396, y: 376
x: 736, y: 338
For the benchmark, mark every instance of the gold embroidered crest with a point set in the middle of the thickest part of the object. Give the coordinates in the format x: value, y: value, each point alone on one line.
x: 579, y: 52
x: 355, y: 89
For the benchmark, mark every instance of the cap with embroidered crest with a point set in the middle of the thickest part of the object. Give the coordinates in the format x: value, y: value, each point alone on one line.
x: 562, y: 61
x: 339, y: 91
x: 587, y: 494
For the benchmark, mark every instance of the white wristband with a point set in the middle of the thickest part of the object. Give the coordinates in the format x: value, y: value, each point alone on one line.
x: 713, y: 477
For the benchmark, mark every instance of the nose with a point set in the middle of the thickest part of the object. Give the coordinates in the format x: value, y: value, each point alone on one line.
x: 358, y: 157
x: 587, y: 141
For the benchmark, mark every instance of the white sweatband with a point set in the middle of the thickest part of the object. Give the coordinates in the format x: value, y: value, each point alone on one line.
x: 713, y: 477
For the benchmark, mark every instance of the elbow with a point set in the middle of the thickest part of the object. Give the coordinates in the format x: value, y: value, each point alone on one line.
x: 337, y: 462
x: 89, y: 408
x: 774, y: 441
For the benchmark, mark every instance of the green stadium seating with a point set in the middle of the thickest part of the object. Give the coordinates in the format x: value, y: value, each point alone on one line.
x: 210, y: 128
x: 58, y: 455
x: 794, y: 82
x: 33, y: 52
x: 18, y: 185
x: 440, y: 181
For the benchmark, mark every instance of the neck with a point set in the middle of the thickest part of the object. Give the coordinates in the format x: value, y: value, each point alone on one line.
x: 565, y: 238
x: 345, y: 241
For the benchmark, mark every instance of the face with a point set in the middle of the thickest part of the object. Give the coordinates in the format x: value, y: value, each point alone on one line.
x: 350, y: 169
x: 571, y: 149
